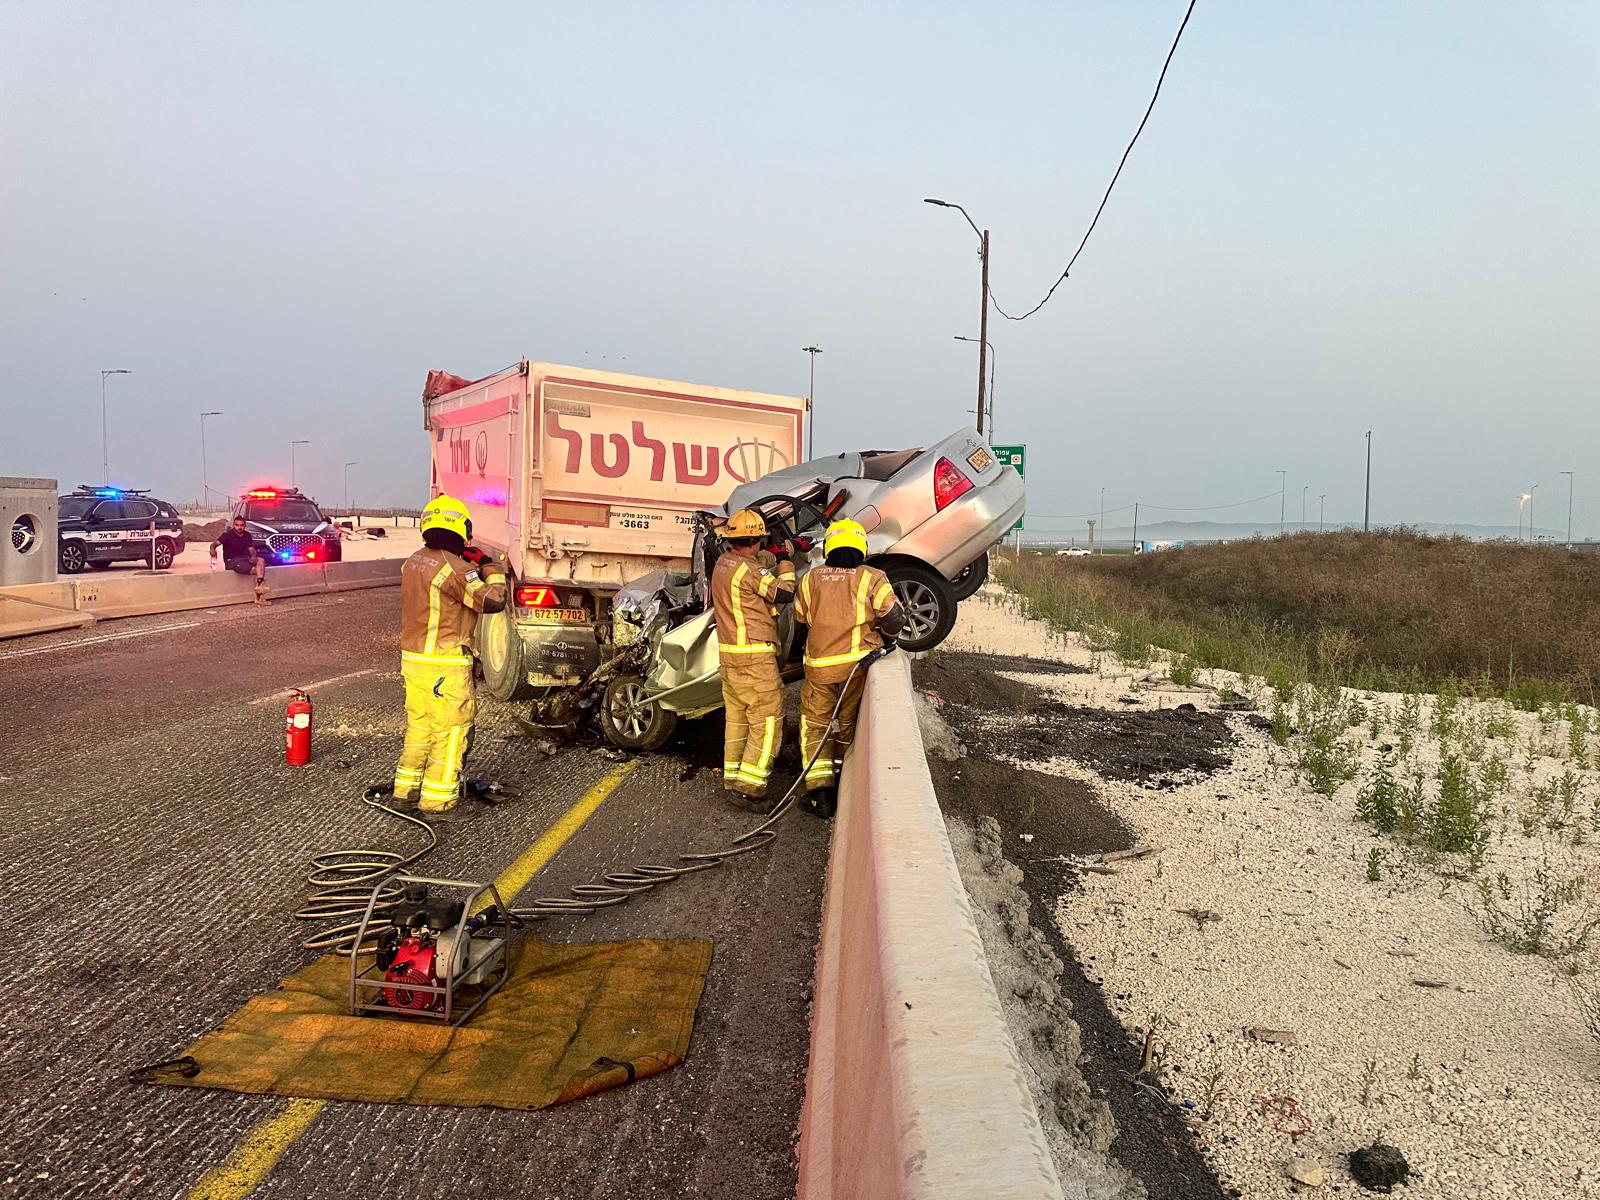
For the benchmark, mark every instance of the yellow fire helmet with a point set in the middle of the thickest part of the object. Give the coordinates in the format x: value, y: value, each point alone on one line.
x: 446, y: 512
x: 746, y: 523
x: 845, y: 534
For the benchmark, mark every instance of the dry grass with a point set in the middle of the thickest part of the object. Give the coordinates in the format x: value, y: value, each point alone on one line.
x: 1395, y: 610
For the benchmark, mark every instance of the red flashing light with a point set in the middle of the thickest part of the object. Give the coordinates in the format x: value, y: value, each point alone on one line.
x: 262, y: 493
x: 948, y: 484
x: 537, y: 597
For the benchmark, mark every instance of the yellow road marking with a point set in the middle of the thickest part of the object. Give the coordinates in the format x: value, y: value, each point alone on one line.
x: 242, y: 1171
x: 252, y: 1160
x: 515, y: 877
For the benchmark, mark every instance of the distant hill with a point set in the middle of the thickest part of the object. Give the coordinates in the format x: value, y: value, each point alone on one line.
x: 1219, y: 531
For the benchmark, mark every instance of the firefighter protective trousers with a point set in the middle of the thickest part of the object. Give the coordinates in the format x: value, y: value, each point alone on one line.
x: 440, y: 707
x: 825, y: 753
x: 752, y: 699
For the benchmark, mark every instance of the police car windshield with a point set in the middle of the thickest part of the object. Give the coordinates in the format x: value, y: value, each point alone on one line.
x: 271, y: 512
x: 74, y: 507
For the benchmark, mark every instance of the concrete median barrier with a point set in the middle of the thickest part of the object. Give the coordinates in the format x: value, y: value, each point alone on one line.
x: 39, y: 608
x: 915, y: 1089
x: 67, y: 604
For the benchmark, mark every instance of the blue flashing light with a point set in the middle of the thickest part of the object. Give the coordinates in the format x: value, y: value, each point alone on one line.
x: 108, y: 491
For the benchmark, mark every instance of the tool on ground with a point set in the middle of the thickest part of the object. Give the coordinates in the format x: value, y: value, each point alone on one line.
x: 297, y: 730
x: 367, y: 883
x: 437, y: 954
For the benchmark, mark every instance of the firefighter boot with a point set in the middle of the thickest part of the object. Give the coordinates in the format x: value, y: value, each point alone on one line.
x: 821, y: 802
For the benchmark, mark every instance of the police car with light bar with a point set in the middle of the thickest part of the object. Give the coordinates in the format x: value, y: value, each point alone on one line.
x: 98, y: 526
x: 286, y: 526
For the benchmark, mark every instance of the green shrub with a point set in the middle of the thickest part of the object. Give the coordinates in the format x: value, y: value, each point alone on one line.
x: 1380, y: 799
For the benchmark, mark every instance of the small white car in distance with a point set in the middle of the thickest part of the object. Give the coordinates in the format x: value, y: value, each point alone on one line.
x: 1072, y: 552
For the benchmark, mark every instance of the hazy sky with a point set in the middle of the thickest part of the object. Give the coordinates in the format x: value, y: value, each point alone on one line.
x: 1341, y: 215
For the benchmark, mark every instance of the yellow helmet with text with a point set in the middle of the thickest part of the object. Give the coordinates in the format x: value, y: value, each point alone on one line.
x: 746, y: 523
x: 446, y: 512
x: 845, y: 534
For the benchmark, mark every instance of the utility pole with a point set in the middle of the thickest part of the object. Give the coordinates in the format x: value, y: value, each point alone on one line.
x: 983, y: 317
x: 1283, y: 483
x: 992, y: 358
x: 205, y: 481
x: 1135, y: 520
x: 1568, y: 474
x: 105, y: 457
x: 983, y: 332
x: 292, y: 445
x: 347, y: 467
x: 811, y: 393
x: 1322, y: 506
x: 1303, y: 492
x: 1366, y: 513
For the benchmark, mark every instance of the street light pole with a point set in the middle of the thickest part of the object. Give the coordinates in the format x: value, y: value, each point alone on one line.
x: 347, y: 467
x: 1283, y: 483
x: 811, y: 393
x: 1532, y: 536
x: 205, y: 478
x: 105, y: 456
x: 1366, y: 513
x: 1303, y: 492
x: 983, y: 318
x: 1568, y: 474
x: 292, y: 445
x: 1322, y: 506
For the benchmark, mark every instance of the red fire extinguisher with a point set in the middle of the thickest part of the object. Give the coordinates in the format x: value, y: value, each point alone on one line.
x: 297, y: 731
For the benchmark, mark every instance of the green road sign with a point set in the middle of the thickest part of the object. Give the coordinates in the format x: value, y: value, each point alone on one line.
x: 1013, y: 456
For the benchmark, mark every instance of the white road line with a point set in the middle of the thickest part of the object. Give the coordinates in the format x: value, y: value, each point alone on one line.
x: 321, y: 683
x: 94, y: 641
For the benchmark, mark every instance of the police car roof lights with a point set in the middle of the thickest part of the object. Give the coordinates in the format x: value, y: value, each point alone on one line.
x: 274, y: 493
x: 110, y: 493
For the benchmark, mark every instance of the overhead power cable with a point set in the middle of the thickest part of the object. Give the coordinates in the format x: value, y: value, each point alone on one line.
x: 1117, y: 175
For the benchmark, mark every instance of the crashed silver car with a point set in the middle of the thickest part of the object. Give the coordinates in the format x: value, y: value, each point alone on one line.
x: 931, y: 516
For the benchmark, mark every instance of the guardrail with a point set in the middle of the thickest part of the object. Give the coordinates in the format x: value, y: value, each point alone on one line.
x: 38, y: 608
x: 915, y: 1089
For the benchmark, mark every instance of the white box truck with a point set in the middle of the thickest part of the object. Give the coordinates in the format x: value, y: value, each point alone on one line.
x: 585, y: 480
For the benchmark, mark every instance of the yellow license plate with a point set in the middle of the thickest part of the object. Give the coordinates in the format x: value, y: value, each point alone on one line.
x: 979, y: 458
x: 559, y: 614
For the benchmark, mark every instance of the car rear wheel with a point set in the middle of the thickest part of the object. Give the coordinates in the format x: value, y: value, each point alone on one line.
x: 161, y: 558
x: 72, y: 557
x: 630, y: 719
x: 500, y: 652
x: 929, y: 603
x: 972, y: 577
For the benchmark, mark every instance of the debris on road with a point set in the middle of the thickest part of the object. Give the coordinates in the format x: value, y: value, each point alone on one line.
x: 1379, y: 1167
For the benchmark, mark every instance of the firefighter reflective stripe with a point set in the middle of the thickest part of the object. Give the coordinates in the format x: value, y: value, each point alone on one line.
x: 738, y: 609
x: 861, y: 612
x: 459, y: 659
x: 753, y: 648
x: 802, y: 607
x: 786, y: 577
x: 883, y: 598
x: 432, y: 642
x: 837, y: 660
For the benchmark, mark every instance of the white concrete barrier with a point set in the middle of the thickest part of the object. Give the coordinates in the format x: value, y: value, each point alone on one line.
x: 915, y: 1089
x: 80, y: 601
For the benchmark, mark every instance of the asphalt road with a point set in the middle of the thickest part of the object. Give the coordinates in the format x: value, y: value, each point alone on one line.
x: 155, y: 846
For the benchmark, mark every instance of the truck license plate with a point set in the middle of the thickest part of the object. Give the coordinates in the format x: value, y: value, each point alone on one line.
x: 559, y: 614
x: 979, y: 459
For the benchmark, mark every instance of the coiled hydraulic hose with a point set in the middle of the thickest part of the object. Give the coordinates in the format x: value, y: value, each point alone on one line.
x: 342, y: 880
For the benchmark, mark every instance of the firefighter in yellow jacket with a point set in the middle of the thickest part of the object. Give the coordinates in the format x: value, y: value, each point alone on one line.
x: 849, y: 608
x: 747, y: 585
x: 443, y: 588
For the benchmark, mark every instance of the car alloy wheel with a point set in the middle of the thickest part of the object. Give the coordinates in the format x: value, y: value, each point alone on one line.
x: 921, y: 607
x: 73, y: 558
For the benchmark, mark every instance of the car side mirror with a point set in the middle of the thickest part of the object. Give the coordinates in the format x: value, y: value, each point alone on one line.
x: 93, y: 519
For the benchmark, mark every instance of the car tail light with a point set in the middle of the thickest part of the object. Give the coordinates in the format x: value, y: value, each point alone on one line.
x: 537, y: 597
x: 948, y: 484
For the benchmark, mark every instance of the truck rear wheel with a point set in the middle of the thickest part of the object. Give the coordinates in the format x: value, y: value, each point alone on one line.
x: 630, y: 719
x: 500, y: 652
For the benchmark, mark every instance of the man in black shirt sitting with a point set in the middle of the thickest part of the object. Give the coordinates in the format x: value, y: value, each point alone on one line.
x: 239, y: 554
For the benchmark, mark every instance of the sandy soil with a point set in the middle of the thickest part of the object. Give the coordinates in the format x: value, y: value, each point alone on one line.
x: 1403, y: 1020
